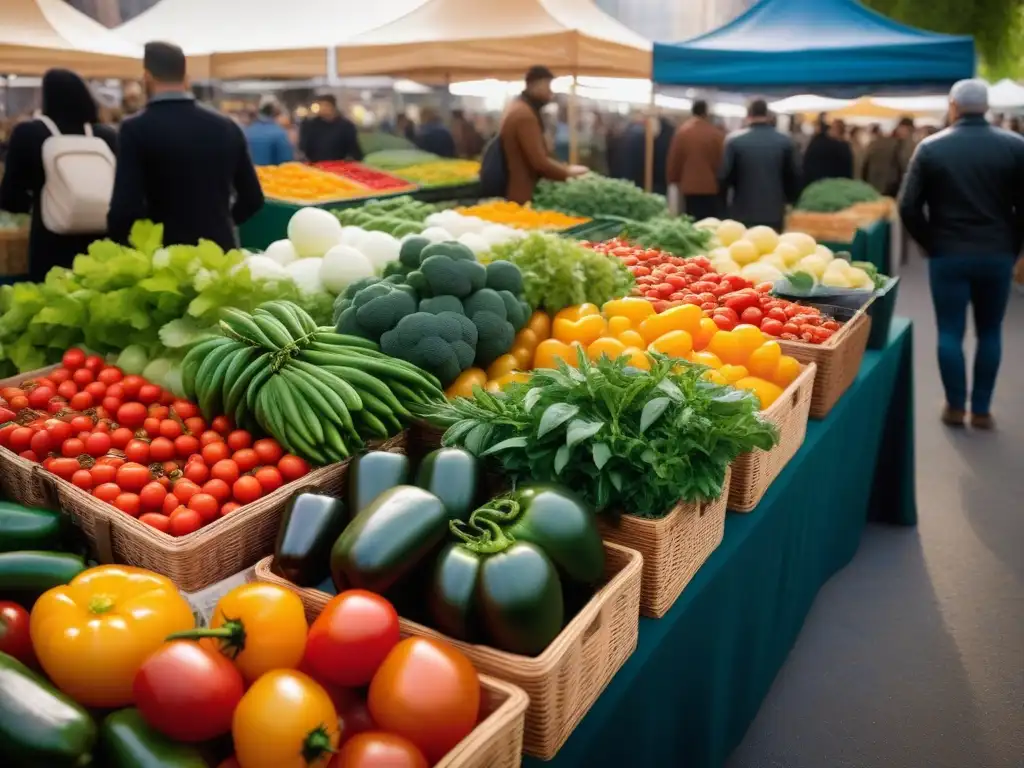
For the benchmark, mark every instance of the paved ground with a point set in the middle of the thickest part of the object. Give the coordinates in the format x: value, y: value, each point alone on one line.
x: 913, y: 656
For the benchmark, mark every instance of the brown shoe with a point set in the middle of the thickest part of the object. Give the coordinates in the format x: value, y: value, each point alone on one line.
x: 983, y: 421
x: 953, y: 417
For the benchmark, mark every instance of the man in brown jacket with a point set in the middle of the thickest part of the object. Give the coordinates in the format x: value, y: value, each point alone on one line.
x: 522, y: 140
x: 693, y: 161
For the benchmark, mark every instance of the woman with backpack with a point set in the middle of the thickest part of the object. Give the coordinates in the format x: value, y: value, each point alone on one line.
x: 70, y: 213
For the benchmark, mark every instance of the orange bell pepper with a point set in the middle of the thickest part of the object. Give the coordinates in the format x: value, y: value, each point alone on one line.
x: 463, y: 385
x: 607, y: 346
x: 551, y: 350
x: 618, y: 324
x: 673, y: 344
x: 501, y: 366
x: 631, y: 338
x: 766, y: 391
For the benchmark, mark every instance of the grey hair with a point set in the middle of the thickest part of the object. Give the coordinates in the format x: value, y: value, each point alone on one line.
x: 970, y: 96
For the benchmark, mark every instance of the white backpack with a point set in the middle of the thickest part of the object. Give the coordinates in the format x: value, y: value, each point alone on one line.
x: 79, y: 181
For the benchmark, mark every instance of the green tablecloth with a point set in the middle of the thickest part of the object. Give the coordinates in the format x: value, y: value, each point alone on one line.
x: 698, y: 676
x: 871, y: 243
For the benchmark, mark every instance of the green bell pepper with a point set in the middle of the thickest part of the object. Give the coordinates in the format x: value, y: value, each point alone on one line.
x: 388, y: 539
x: 130, y: 742
x: 24, y: 528
x: 39, y: 725
x: 453, y: 475
x: 373, y: 473
x: 309, y: 527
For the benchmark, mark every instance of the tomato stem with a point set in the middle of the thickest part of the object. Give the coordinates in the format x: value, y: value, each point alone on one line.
x: 231, y: 634
x: 317, y: 744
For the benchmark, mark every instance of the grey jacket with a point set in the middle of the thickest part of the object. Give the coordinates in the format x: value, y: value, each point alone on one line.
x: 761, y: 171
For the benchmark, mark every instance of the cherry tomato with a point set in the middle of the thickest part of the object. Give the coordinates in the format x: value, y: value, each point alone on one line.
x: 246, y: 459
x: 103, y: 425
x: 72, y: 448
x: 152, y: 496
x: 98, y: 444
x: 724, y: 322
x: 184, y: 521
x: 82, y: 377
x: 18, y: 403
x: 226, y: 470
x: 137, y: 451
x: 132, y: 385
x: 239, y: 439
x: 131, y: 415
x: 170, y: 429
x: 292, y: 467
x: 56, y: 405
x: 111, y: 404
x: 15, y: 639
x: 40, y: 396
x: 59, y: 375
x: 133, y: 477
x: 151, y: 426
x: 82, y: 423
x: 186, y: 446
x: 110, y: 375
x: 159, y: 412
x: 120, y: 437
x: 128, y: 503
x: 64, y: 467
x: 428, y: 692
x: 195, y: 425
x: 197, y: 472
x: 150, y: 393
x: 184, y: 409
x: 269, y: 479
x: 156, y: 520
x: 171, y: 503
x: 351, y: 637
x: 5, y: 434
x: 228, y: 508
x: 377, y: 749
x: 215, y: 452
x: 162, y: 449
x: 107, y: 492
x: 219, y: 489
x: 268, y: 451
x: 246, y: 490
x: 221, y: 424
x: 73, y: 359
x: 82, y: 479
x: 97, y: 389
x: 209, y: 437
x: 103, y: 473
x: 207, y: 506
x: 41, y: 442
x: 185, y: 490
x: 67, y: 389
x: 771, y: 326
x: 29, y: 455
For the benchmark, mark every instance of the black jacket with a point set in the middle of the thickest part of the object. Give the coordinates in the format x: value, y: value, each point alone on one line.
x: 760, y: 168
x: 336, y: 139
x: 827, y: 158
x: 21, y: 186
x: 436, y: 138
x: 971, y: 179
x: 187, y: 167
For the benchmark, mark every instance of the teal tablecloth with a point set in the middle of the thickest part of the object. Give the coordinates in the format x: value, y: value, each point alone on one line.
x: 687, y: 695
x: 871, y: 243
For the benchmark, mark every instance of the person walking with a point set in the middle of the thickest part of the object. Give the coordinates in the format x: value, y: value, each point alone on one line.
x: 268, y: 140
x: 760, y: 170
x: 521, y: 139
x: 829, y: 155
x: 963, y: 201
x: 182, y: 165
x: 329, y: 135
x: 468, y: 141
x: 68, y: 109
x: 694, y: 157
x: 856, y: 141
x: 433, y: 136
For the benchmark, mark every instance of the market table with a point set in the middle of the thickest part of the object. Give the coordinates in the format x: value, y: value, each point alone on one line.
x: 870, y: 243
x: 698, y: 676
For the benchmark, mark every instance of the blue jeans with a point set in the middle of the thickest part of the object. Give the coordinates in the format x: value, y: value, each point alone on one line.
x: 984, y: 283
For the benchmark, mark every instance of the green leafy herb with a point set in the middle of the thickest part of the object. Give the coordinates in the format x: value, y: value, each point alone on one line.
x: 596, y: 195
x: 676, y: 235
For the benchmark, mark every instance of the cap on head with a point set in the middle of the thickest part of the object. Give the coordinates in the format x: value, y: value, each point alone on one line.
x: 538, y: 72
x: 970, y: 96
x: 165, y: 62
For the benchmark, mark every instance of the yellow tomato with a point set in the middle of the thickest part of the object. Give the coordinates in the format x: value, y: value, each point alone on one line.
x: 587, y: 329
x: 509, y: 378
x: 607, y: 346
x: 463, y: 385
x: 285, y: 720
x: 750, y: 337
x: 633, y: 308
x: 733, y: 373
x: 685, y: 317
x: 764, y: 360
x: 631, y: 339
x: 492, y: 386
x: 550, y: 350
x: 618, y: 324
x: 706, y: 328
x: 637, y: 358
x: 766, y: 392
x: 528, y: 338
x: 715, y: 377
x: 523, y: 356
x: 728, y: 348
x: 673, y: 344
x: 578, y: 311
x: 540, y: 324
x: 501, y: 366
x: 709, y: 359
x: 787, y: 371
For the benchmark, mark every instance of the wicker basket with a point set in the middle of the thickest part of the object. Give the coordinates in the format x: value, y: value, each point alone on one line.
x: 674, y: 547
x: 13, y: 252
x: 20, y: 479
x: 754, y: 472
x: 840, y: 226
x: 497, y: 740
x: 423, y: 437
x: 565, y: 680
x: 838, y: 361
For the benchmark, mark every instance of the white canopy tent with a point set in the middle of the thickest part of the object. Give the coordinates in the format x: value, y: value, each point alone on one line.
x: 1006, y: 94
x: 36, y: 35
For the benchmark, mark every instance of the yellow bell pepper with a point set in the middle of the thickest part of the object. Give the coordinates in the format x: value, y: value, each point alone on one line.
x: 607, y: 346
x: 766, y: 392
x: 787, y: 371
x: 635, y: 309
x: 585, y: 330
x: 685, y: 317
x: 631, y: 338
x: 733, y: 373
x: 764, y: 360
x: 92, y: 635
x: 577, y: 311
x: 673, y: 344
x: 501, y: 366
x: 550, y: 351
x: 617, y: 324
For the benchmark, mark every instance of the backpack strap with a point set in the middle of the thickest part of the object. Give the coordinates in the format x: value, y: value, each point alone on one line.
x: 88, y: 130
x: 50, y: 125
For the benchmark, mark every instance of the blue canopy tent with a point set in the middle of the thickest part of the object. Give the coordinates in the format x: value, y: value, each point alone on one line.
x: 829, y: 47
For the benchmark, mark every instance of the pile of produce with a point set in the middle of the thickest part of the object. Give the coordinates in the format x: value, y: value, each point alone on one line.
x: 596, y: 195
x: 151, y: 299
x: 369, y: 178
x: 302, y: 183
x: 673, y: 234
x: 625, y: 438
x: 441, y: 173
x: 397, y: 216
x: 399, y: 157
x: 438, y: 308
x: 831, y: 195
x: 134, y: 445
x: 521, y: 216
x: 498, y: 571
x: 153, y: 690
x: 321, y: 394
x: 374, y: 142
x: 670, y: 281
x: 558, y: 273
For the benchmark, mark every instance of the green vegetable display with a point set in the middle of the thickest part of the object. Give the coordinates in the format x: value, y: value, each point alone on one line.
x: 625, y: 439
x: 24, y: 528
x: 398, y: 216
x: 596, y: 195
x: 372, y: 142
x: 394, y: 159
x: 454, y: 476
x: 26, y: 574
x: 558, y: 273
x: 309, y: 527
x: 675, y: 235
x: 831, y: 195
x: 371, y: 474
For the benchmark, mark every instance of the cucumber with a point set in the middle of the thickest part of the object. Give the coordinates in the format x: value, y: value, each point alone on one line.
x: 24, y: 528
x: 25, y: 575
x: 39, y: 725
x: 129, y: 742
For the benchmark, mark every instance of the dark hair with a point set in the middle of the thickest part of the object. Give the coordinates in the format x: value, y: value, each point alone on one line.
x: 328, y: 98
x: 165, y: 62
x: 67, y: 100
x: 758, y: 108
x: 538, y: 72
x: 699, y: 108
x: 906, y: 122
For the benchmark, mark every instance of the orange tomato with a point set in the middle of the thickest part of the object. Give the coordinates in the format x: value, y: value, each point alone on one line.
x: 709, y: 359
x: 766, y: 392
x: 786, y: 371
x: 376, y: 749
x: 673, y: 344
x: 501, y: 366
x: 578, y: 311
x: 706, y: 328
x: 540, y: 324
x: 764, y: 360
x: 587, y: 329
x: 523, y: 356
x: 463, y: 385
x: 493, y: 387
x: 631, y: 339
x: 528, y: 338
x: 607, y: 346
x: 516, y: 376
x: 550, y: 350
x: 637, y: 358
x: 733, y: 373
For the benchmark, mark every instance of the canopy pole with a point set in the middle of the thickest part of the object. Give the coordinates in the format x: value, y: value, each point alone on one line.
x: 649, y: 144
x: 574, y: 119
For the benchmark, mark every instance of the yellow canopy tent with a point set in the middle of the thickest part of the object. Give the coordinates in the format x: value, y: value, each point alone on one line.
x: 868, y: 108
x: 36, y: 35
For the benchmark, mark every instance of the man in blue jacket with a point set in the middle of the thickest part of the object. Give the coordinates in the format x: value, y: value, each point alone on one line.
x: 268, y: 140
x: 963, y: 201
x: 433, y: 136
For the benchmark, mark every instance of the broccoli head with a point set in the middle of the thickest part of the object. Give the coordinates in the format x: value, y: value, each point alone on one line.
x: 442, y: 344
x: 410, y: 253
x: 376, y: 309
x: 504, y: 276
x: 442, y: 275
x: 439, y: 304
x: 495, y: 337
x: 452, y: 248
x: 395, y: 269
x: 514, y: 310
x: 485, y: 300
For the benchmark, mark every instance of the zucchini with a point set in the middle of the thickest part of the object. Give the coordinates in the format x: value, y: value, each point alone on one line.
x: 25, y: 575
x: 39, y: 725
x: 24, y: 528
x: 130, y: 742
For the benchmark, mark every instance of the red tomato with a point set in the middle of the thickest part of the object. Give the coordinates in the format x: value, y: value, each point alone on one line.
x: 120, y: 437
x: 771, y: 326
x: 59, y: 375
x: 215, y: 452
x: 111, y: 404
x: 187, y: 692
x: 724, y: 322
x: 39, y: 397
x: 197, y: 472
x: 137, y: 451
x: 207, y: 506
x: 133, y: 477
x: 170, y: 429
x: 185, y: 410
x: 184, y: 521
x: 171, y: 503
x: 73, y: 359
x: 150, y: 393
x: 156, y: 520
x: 82, y: 423
x: 104, y: 426
x: 18, y: 403
x: 228, y: 508
x: 107, y: 492
x: 185, y: 490
x: 14, y: 633
x: 219, y: 489
x: 186, y: 446
x: 268, y: 451
x: 64, y: 468
x: 159, y: 412
x: 67, y: 389
x: 209, y: 437
x: 131, y: 415
x: 82, y: 377
x: 246, y: 459
x: 29, y: 456
x: 56, y: 405
x: 351, y: 637
x: 195, y: 425
x: 98, y: 444
x: 151, y: 426
x: 162, y: 449
x: 128, y: 503
x: 102, y: 474
x: 72, y: 448
x: 376, y: 749
x: 152, y: 496
x: 226, y: 470
x: 269, y: 479
x: 791, y: 328
x: 97, y: 389
x: 246, y: 490
x: 292, y: 467
x: 131, y: 385
x: 221, y: 424
x: 428, y: 692
x: 239, y: 439
x: 110, y: 375
x: 41, y: 442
